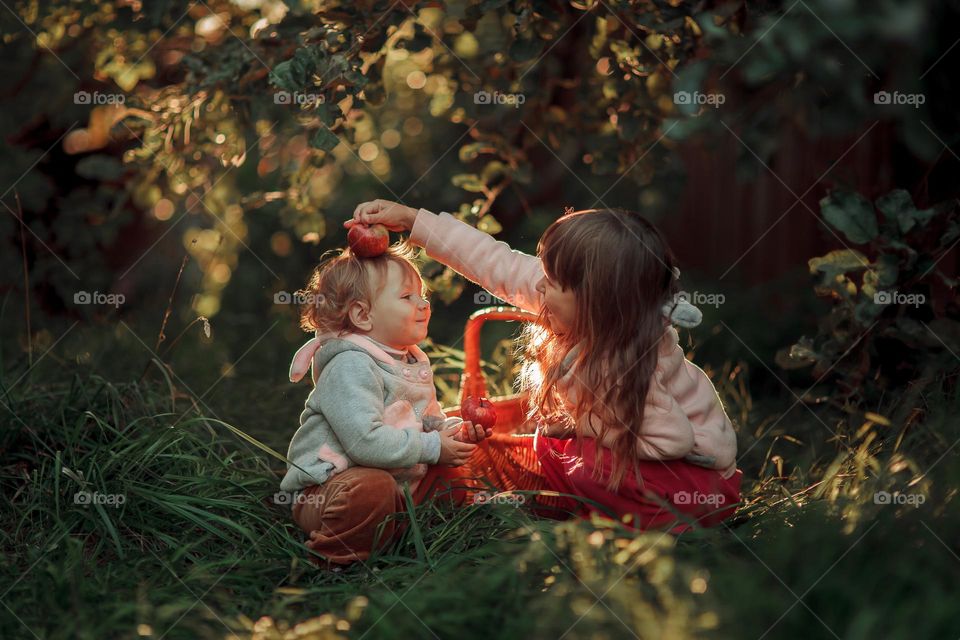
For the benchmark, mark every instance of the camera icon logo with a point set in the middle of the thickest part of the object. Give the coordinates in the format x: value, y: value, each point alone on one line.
x: 482, y: 97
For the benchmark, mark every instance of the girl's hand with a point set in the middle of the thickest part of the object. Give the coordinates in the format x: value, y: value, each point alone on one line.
x: 452, y: 451
x: 394, y: 216
x: 469, y: 432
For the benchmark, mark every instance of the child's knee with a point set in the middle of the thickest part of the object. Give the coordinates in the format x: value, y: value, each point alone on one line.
x: 369, y: 492
x: 351, y: 497
x: 343, y: 526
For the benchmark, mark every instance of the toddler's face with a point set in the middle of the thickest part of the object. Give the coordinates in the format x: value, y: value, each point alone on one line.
x: 399, y: 315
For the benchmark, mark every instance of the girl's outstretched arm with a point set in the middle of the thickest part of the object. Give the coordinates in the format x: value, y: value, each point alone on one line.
x: 507, y: 274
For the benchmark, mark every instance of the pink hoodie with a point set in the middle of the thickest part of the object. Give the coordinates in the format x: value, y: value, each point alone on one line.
x: 684, y: 416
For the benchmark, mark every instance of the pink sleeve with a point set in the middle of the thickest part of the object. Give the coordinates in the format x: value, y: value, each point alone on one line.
x: 507, y: 274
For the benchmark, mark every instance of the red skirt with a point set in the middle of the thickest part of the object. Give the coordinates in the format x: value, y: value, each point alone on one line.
x: 668, y: 494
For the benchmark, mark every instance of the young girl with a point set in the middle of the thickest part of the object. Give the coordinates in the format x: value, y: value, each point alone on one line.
x: 372, y: 419
x: 626, y: 422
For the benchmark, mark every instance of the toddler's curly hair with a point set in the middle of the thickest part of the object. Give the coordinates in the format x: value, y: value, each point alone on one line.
x: 343, y: 278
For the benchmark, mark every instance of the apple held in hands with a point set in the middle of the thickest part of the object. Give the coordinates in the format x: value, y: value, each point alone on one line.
x: 479, y: 411
x: 368, y: 240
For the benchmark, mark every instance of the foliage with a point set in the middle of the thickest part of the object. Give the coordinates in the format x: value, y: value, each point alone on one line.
x: 220, y: 109
x: 894, y: 316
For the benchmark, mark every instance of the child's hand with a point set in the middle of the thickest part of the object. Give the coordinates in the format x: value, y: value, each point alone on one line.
x: 394, y: 216
x: 470, y: 432
x: 452, y: 451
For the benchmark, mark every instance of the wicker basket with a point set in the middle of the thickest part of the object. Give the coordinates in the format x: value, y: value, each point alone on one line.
x: 512, y: 408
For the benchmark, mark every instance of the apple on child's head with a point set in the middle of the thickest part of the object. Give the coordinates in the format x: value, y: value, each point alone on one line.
x: 479, y: 411
x: 368, y: 240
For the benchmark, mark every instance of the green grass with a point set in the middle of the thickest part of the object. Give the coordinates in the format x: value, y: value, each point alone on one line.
x: 198, y: 549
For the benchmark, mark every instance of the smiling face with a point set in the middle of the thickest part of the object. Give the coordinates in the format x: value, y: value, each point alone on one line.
x: 398, y: 315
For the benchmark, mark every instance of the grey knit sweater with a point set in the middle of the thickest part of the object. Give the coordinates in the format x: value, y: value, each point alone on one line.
x: 366, y: 409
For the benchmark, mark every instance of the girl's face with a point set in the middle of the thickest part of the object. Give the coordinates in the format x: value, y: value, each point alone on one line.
x: 399, y: 316
x: 560, y: 305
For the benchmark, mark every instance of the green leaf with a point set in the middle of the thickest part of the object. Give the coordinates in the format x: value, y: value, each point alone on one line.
x: 470, y: 151
x: 800, y: 355
x: 329, y: 113
x: 838, y: 262
x: 282, y: 76
x: 489, y: 224
x: 468, y: 181
x: 297, y: 73
x: 898, y: 206
x: 851, y: 214
x: 493, y: 171
x: 324, y: 139
x: 894, y: 203
x: 887, y: 268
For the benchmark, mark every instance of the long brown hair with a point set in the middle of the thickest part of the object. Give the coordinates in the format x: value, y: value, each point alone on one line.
x: 621, y: 272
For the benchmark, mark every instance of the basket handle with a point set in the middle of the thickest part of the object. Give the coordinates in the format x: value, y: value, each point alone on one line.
x: 472, y: 382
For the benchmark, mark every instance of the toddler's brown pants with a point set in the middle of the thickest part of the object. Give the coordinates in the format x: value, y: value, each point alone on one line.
x: 342, y: 515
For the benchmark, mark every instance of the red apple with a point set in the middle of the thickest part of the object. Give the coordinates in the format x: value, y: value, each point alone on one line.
x: 368, y: 241
x: 479, y: 411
